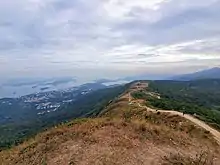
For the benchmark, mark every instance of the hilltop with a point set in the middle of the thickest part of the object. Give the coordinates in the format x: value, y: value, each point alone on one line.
x: 213, y: 73
x: 126, y: 131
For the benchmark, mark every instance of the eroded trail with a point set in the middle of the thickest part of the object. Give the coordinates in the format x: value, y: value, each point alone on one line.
x: 214, y: 132
x: 196, y: 121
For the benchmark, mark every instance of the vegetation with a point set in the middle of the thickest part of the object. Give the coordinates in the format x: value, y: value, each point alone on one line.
x: 89, y: 105
x: 200, y: 98
x: 204, y: 93
x: 124, y: 134
x: 204, y: 158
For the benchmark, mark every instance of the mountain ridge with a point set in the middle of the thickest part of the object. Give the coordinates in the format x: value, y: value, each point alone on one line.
x: 213, y: 73
x: 122, y: 133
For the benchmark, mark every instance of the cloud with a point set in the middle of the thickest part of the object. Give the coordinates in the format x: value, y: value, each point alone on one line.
x: 52, y: 36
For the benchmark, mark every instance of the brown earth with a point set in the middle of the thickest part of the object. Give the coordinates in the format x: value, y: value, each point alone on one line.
x: 140, y: 86
x: 124, y: 133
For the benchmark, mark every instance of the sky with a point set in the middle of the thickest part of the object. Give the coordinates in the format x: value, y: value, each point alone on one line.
x: 107, y: 38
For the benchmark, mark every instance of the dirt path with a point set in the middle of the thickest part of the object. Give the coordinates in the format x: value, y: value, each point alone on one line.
x: 196, y: 121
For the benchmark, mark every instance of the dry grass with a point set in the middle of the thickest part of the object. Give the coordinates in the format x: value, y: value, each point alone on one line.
x: 203, y: 158
x: 131, y: 112
x: 103, y: 141
x: 123, y: 134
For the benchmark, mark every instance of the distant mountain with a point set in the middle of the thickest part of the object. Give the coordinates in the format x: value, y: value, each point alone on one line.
x: 148, y: 77
x: 101, y: 81
x: 213, y: 73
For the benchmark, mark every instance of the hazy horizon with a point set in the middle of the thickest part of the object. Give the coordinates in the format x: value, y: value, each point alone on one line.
x: 107, y: 39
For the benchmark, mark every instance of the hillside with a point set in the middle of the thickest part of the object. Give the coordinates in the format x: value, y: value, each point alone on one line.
x: 213, y: 73
x: 124, y: 132
x: 197, y: 97
x: 22, y: 118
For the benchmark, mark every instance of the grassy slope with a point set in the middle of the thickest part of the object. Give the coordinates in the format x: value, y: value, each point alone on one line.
x: 91, y: 104
x: 122, y: 134
x: 200, y: 97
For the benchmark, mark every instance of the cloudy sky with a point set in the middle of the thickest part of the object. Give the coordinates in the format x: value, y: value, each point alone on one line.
x: 107, y: 37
